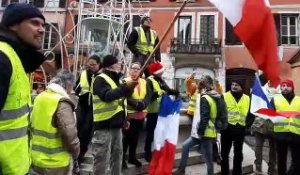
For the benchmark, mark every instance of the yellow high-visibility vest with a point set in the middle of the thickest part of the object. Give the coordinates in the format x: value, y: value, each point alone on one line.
x: 136, y: 95
x: 14, y: 118
x: 291, y: 124
x: 210, y: 130
x: 142, y: 45
x: 237, y: 112
x: 48, y: 150
x: 153, y: 107
x: 192, y: 103
x: 105, y: 110
x: 84, y: 84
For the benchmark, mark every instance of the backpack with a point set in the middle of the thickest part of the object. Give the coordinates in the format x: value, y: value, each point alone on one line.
x: 221, y: 121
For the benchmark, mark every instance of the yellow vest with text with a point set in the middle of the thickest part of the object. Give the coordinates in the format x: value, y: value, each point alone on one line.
x: 210, y: 130
x: 106, y: 110
x: 192, y: 103
x: 84, y: 84
x: 291, y: 124
x: 136, y: 95
x: 142, y: 44
x: 14, y: 118
x: 237, y: 112
x: 153, y: 107
x: 48, y: 150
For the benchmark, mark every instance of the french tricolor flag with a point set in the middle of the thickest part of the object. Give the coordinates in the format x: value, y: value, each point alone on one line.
x: 253, y: 23
x: 165, y: 137
x: 261, y: 107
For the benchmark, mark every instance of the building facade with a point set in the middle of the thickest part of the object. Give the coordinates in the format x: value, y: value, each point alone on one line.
x: 201, y: 40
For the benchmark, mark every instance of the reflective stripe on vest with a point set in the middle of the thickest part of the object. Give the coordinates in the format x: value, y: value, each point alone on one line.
x: 291, y: 124
x: 14, y: 113
x: 138, y: 95
x: 14, y: 118
x: 192, y: 103
x: 142, y: 44
x: 48, y: 150
x: 237, y: 112
x: 84, y: 84
x: 153, y: 107
x: 210, y: 130
x: 105, y: 110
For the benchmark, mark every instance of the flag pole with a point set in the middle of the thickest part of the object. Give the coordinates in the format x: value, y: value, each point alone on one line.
x: 164, y: 36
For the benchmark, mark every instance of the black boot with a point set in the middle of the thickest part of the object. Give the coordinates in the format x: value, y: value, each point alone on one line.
x: 135, y: 162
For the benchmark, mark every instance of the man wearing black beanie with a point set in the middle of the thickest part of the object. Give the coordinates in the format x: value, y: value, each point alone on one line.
x: 109, y: 114
x: 142, y: 41
x: 21, y: 35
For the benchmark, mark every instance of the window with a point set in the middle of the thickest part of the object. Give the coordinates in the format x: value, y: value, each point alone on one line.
x: 184, y: 31
x: 289, y: 29
x: 231, y: 38
x: 52, y: 3
x: 50, y: 37
x: 207, y: 29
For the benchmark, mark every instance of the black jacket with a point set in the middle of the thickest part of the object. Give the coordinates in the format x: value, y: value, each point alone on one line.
x: 205, y: 111
x: 133, y: 38
x: 30, y: 58
x: 84, y: 99
x: 106, y: 94
x: 163, y: 85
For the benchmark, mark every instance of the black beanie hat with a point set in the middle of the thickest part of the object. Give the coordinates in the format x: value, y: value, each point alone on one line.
x: 109, y: 60
x: 144, y: 18
x: 16, y: 13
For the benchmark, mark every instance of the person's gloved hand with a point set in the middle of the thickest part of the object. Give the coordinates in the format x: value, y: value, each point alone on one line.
x: 141, y: 106
x: 154, y: 96
x: 129, y: 87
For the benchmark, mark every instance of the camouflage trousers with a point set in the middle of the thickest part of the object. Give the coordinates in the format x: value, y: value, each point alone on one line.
x: 107, y: 151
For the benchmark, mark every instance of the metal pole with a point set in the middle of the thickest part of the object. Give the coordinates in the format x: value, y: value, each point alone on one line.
x: 164, y: 36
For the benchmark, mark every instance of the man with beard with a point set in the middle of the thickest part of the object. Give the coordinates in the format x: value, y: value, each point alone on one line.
x: 21, y: 35
x: 287, y: 131
x: 238, y: 105
x: 142, y: 41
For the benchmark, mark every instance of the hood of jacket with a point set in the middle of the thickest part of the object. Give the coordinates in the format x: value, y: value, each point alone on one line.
x: 31, y: 59
x: 213, y: 94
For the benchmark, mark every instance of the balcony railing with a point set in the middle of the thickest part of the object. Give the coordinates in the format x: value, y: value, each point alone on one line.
x: 195, y: 46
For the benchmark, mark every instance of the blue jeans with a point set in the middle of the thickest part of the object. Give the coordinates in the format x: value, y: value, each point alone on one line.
x: 207, y: 151
x: 187, y: 145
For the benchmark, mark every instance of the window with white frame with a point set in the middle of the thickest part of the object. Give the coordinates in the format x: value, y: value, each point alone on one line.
x: 52, y: 3
x: 207, y: 29
x: 289, y: 29
x: 50, y: 37
x: 184, y: 30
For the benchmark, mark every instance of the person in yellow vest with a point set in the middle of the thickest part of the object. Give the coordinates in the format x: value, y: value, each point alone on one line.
x: 191, y: 90
x: 238, y: 105
x: 109, y: 115
x: 206, y: 130
x: 84, y: 109
x: 21, y: 35
x: 287, y: 131
x: 142, y: 41
x: 157, y: 87
x: 54, y: 134
x: 136, y: 113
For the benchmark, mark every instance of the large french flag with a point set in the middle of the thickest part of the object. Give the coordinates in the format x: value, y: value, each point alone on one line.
x: 254, y: 24
x: 165, y: 137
